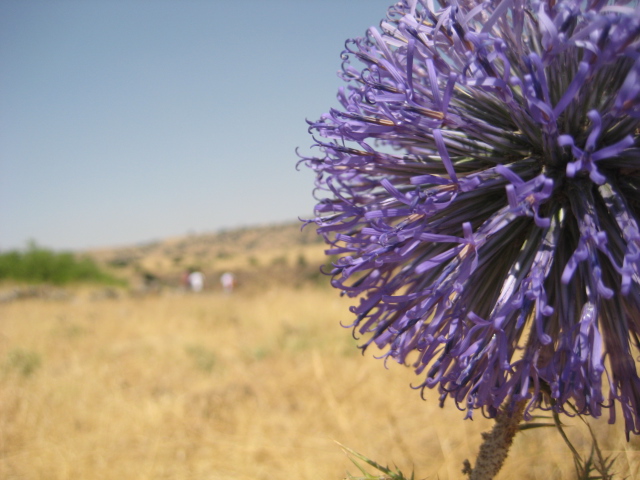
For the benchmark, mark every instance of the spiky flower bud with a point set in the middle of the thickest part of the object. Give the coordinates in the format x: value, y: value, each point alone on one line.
x: 481, y: 186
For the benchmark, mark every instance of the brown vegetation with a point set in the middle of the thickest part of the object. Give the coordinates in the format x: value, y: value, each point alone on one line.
x: 257, y: 256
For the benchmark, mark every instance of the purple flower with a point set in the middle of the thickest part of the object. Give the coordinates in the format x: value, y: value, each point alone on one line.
x: 481, y: 185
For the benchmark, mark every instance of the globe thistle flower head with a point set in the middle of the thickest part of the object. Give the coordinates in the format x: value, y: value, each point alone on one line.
x: 480, y: 185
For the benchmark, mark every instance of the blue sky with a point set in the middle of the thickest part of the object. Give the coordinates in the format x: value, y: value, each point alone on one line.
x: 127, y: 121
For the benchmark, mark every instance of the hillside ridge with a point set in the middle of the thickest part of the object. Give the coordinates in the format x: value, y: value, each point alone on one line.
x: 278, y: 251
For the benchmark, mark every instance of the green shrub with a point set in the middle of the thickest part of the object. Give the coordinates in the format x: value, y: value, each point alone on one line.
x: 39, y: 265
x: 203, y: 358
x: 25, y: 362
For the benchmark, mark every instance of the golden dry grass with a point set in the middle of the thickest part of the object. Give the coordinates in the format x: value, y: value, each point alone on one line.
x: 248, y: 386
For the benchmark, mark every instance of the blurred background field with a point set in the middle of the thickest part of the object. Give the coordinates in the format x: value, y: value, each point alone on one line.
x: 141, y: 379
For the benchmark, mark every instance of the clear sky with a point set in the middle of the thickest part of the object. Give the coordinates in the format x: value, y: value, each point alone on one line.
x: 127, y: 121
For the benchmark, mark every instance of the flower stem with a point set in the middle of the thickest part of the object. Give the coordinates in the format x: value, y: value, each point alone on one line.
x: 495, y: 448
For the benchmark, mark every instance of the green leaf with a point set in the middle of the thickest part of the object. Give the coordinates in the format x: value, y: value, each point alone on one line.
x: 529, y: 426
x: 388, y: 473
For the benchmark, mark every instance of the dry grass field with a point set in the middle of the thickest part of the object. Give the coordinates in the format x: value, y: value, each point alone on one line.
x: 242, y: 386
x: 258, y: 384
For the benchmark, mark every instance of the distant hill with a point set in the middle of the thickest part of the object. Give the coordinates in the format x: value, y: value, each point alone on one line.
x: 257, y: 256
